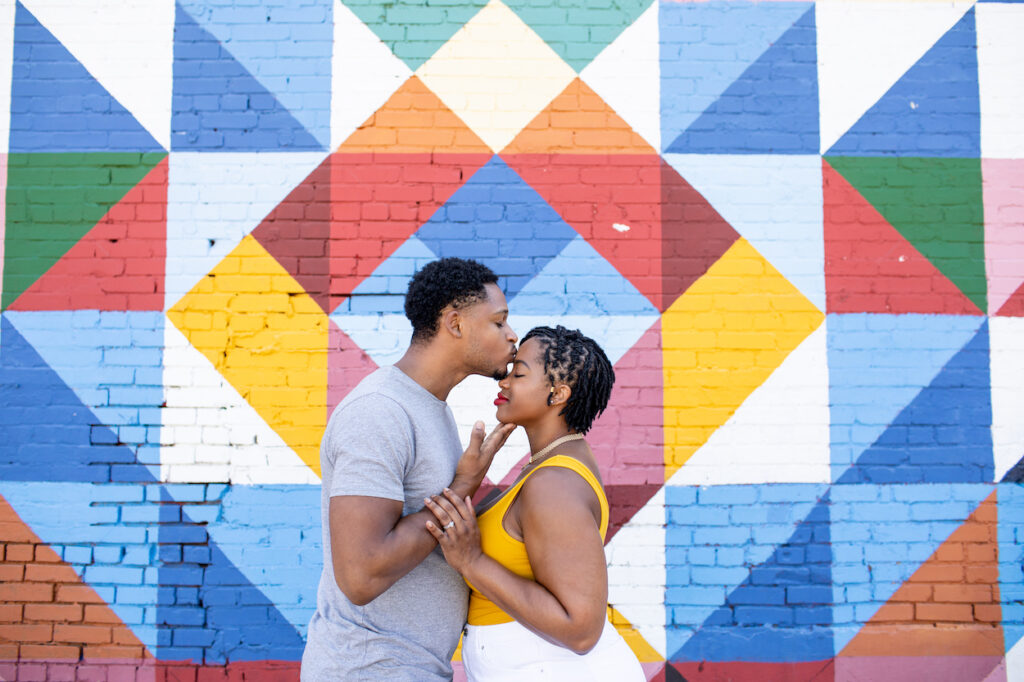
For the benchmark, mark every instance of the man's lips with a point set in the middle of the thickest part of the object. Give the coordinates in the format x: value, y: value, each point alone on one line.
x: 500, y: 400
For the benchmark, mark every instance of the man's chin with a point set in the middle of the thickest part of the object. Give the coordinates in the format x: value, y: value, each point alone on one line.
x: 499, y: 374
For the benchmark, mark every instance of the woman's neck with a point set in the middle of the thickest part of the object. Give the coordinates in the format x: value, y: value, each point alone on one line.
x: 542, y: 435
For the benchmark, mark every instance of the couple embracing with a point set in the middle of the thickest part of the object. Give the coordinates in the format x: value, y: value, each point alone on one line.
x: 409, y: 564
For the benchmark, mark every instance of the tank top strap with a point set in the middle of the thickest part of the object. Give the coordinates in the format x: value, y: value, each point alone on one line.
x: 566, y: 462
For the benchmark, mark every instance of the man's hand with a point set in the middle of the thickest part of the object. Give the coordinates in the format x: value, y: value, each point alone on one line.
x: 476, y: 460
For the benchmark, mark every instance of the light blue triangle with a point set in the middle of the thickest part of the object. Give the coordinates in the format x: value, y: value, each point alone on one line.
x: 877, y: 365
x: 286, y: 47
x: 113, y: 361
x: 706, y: 46
x: 1010, y: 534
x: 774, y: 202
x: 881, y: 534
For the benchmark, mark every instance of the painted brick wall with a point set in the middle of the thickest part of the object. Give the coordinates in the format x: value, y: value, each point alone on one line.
x: 797, y: 228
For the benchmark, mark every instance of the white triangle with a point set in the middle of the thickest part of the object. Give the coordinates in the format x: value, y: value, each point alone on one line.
x: 865, y: 47
x: 365, y: 73
x: 774, y: 202
x: 1006, y: 339
x: 627, y: 75
x: 1000, y: 79
x: 780, y: 434
x: 210, y: 434
x: 1015, y: 662
x: 6, y: 64
x: 127, y: 45
x: 636, y: 571
x: 215, y: 200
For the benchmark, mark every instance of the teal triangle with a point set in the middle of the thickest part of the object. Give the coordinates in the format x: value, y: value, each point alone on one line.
x: 578, y: 30
x: 414, y: 29
x: 772, y: 108
x: 57, y: 105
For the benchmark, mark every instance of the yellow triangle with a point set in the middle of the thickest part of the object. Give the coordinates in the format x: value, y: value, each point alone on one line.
x: 268, y: 338
x: 721, y: 340
x: 644, y: 651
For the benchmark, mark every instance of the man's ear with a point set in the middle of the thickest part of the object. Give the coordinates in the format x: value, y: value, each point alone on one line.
x: 452, y: 322
x: 560, y: 395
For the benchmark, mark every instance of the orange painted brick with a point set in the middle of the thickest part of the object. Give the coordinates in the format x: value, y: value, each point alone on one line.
x: 110, y: 651
x: 78, y: 593
x: 46, y: 555
x: 952, y: 551
x: 26, y: 592
x: 86, y: 634
x: 10, y: 573
x: 914, y: 592
x: 10, y: 613
x: 19, y: 552
x: 27, y: 632
x: 945, y: 613
x: 978, y: 594
x: 897, y: 613
x: 939, y: 573
x: 100, y: 614
x: 50, y: 573
x: 66, y: 613
x: 981, y: 553
x: 50, y: 652
x: 123, y: 636
x: 988, y: 613
x: 8, y: 652
x: 984, y: 573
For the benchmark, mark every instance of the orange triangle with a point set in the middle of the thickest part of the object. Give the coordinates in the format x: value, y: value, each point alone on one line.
x: 950, y: 606
x: 1014, y: 306
x: 578, y: 121
x: 48, y: 612
x: 414, y: 120
x: 118, y: 264
x: 871, y: 268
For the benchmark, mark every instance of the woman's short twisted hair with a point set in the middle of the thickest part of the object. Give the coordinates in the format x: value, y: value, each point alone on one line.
x: 450, y: 281
x: 576, y: 360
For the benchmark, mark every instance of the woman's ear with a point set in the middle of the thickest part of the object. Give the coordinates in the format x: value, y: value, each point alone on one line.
x: 559, y: 394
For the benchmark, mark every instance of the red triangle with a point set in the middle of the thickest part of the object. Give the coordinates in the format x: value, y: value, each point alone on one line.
x: 48, y: 612
x: 871, y: 268
x: 118, y: 264
x: 379, y: 200
x: 1014, y: 306
x: 950, y: 606
x: 297, y: 231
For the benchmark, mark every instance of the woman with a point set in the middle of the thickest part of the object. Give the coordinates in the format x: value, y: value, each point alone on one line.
x: 534, y: 558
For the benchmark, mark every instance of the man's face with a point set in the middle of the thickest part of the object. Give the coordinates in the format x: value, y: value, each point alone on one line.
x: 490, y: 342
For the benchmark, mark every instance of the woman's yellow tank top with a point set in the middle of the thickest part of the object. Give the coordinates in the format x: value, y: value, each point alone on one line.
x: 511, y: 553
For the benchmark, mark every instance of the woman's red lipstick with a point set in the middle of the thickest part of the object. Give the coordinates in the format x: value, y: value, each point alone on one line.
x: 500, y: 400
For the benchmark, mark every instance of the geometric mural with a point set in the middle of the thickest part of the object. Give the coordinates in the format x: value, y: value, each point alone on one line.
x: 797, y: 229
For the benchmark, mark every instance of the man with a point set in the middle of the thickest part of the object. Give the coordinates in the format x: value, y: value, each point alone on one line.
x: 389, y: 607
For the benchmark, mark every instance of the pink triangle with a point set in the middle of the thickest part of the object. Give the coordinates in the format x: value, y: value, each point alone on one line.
x: 871, y: 268
x: 118, y: 264
x: 347, y: 365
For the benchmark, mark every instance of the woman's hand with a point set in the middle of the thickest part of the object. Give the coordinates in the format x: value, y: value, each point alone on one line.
x: 456, y: 529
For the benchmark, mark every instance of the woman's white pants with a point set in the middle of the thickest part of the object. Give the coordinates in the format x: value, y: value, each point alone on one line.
x: 510, y: 653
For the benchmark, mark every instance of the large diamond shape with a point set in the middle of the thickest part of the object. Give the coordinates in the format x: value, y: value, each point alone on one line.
x: 496, y: 73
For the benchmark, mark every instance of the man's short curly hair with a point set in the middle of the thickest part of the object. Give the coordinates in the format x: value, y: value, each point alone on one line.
x: 576, y: 360
x: 450, y: 281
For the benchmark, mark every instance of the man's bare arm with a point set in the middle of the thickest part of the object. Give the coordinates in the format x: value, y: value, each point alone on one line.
x: 373, y: 545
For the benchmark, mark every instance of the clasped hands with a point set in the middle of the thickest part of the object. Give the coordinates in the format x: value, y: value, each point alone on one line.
x: 456, y: 529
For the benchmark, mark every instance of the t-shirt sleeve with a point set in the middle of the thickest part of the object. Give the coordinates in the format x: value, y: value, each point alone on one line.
x: 371, y: 444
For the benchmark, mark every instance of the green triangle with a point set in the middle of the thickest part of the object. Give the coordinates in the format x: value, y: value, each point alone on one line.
x: 414, y: 29
x: 935, y: 203
x: 577, y: 30
x: 53, y: 200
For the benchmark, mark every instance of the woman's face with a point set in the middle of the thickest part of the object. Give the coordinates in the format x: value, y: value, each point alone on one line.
x: 523, y: 394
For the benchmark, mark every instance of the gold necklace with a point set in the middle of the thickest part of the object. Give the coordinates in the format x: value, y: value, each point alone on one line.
x: 554, y: 443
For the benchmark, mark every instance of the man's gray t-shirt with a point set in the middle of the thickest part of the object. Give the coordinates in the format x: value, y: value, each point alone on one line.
x: 388, y: 438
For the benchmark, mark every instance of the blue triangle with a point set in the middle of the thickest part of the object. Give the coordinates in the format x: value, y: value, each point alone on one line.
x: 33, y: 398
x: 500, y: 221
x: 772, y: 108
x: 113, y: 362
x: 218, y: 105
x: 227, y: 618
x: 782, y: 612
x: 56, y: 104
x: 706, y: 46
x: 1010, y: 534
x: 944, y: 435
x: 877, y: 365
x: 933, y: 110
